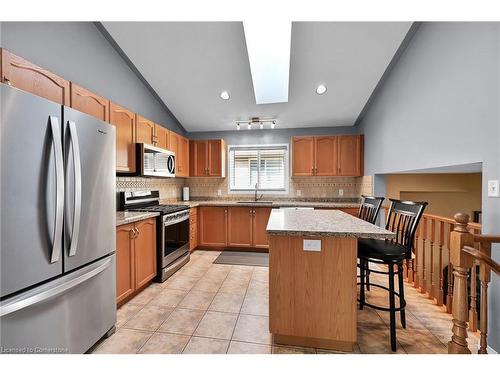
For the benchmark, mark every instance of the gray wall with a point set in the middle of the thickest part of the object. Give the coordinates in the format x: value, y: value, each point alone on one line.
x: 77, y: 51
x: 440, y: 106
x: 274, y: 136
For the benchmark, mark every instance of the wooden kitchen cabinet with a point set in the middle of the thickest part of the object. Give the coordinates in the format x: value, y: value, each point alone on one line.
x: 208, y: 158
x: 144, y: 130
x: 29, y: 77
x: 302, y: 156
x: 212, y: 226
x: 125, y: 282
x: 135, y: 257
x: 145, y: 252
x: 239, y: 226
x: 162, y: 136
x: 124, y: 121
x: 260, y: 239
x: 193, y: 228
x: 180, y: 146
x: 350, y: 155
x: 183, y: 158
x: 327, y: 155
x: 88, y: 102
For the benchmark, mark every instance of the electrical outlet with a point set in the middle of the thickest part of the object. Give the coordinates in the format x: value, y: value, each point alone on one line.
x: 493, y: 188
x: 299, y: 193
x: 341, y: 192
x: 219, y: 192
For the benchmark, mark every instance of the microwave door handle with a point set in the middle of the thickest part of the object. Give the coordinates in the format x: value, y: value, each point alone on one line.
x: 58, y: 225
x: 78, y: 188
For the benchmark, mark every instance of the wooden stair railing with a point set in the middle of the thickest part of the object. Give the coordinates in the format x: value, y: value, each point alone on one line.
x: 463, y: 257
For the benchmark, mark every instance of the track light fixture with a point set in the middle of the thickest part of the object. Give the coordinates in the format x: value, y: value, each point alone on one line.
x: 256, y: 121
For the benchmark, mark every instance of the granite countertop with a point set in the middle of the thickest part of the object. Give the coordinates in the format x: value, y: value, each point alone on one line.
x: 127, y: 217
x: 322, y: 223
x: 263, y: 203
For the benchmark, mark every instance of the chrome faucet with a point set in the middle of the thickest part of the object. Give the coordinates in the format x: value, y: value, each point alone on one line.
x: 256, y: 191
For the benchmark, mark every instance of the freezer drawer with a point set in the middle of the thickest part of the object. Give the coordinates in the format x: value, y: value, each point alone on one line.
x: 67, y: 315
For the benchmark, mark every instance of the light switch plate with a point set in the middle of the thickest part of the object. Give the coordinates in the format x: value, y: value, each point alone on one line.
x: 341, y: 192
x: 493, y: 188
x: 219, y: 192
x: 312, y: 245
x: 299, y: 193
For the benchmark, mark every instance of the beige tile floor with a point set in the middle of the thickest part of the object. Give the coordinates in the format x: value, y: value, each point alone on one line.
x: 212, y: 308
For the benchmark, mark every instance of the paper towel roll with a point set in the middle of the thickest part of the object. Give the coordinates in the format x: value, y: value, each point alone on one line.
x: 185, y: 193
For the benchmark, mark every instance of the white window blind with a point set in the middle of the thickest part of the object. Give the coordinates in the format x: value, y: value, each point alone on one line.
x: 265, y: 166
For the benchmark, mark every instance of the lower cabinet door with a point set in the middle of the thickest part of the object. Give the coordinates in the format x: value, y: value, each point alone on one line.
x: 212, y: 226
x: 125, y: 283
x: 145, y: 252
x: 260, y: 218
x: 239, y: 226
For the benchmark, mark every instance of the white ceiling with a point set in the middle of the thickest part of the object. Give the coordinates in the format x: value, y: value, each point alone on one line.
x: 189, y: 63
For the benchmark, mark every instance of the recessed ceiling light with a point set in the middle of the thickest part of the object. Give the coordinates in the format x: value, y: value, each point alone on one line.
x: 224, y: 95
x: 321, y: 89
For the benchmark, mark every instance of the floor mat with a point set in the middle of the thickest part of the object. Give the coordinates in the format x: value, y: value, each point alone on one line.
x: 243, y: 258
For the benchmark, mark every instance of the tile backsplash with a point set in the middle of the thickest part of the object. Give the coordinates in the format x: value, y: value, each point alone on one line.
x: 203, y: 187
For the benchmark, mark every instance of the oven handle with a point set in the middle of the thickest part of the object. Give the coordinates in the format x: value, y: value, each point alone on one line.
x: 179, y: 220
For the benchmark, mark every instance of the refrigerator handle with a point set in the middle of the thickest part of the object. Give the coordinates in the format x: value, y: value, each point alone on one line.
x: 42, y: 296
x: 58, y: 226
x: 78, y: 187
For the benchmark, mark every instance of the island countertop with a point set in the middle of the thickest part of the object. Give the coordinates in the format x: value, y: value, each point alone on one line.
x: 321, y: 223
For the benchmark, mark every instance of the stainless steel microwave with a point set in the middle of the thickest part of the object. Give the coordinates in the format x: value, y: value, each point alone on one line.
x: 154, y: 161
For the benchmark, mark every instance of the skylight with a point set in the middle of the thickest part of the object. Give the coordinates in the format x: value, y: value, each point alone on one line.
x: 268, y: 46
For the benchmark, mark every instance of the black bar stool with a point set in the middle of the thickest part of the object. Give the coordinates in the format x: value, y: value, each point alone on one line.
x: 402, y: 219
x: 368, y: 211
x: 369, y: 208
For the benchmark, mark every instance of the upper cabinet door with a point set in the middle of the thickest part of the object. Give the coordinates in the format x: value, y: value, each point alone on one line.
x: 199, y: 158
x: 215, y: 158
x: 145, y: 131
x: 350, y: 155
x: 124, y: 120
x: 183, y: 158
x: 87, y: 102
x: 302, y: 156
x: 161, y: 136
x: 26, y: 76
x: 174, y: 147
x: 325, y: 156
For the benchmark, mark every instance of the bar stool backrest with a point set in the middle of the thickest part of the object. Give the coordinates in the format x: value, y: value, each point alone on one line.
x: 370, y: 207
x: 403, y: 219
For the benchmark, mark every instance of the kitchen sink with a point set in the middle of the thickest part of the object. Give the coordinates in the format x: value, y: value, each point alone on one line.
x: 255, y: 202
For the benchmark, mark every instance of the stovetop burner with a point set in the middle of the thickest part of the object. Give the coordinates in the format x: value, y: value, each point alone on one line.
x: 162, y: 208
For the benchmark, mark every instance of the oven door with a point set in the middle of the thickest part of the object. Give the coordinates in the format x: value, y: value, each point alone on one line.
x: 175, y: 241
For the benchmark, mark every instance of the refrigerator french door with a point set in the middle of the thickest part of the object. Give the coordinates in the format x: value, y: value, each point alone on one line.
x: 57, y: 238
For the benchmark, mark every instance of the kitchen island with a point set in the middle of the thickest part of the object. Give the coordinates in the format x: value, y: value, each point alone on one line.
x: 312, y: 276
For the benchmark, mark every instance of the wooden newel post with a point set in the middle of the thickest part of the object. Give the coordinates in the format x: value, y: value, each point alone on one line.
x: 461, y: 262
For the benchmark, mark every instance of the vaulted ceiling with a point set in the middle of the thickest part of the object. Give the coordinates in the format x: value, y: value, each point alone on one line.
x: 188, y: 64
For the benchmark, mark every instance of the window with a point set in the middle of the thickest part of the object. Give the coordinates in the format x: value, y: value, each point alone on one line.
x: 266, y: 166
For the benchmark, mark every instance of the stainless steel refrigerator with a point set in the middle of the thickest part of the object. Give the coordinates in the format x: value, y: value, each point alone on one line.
x: 57, y: 238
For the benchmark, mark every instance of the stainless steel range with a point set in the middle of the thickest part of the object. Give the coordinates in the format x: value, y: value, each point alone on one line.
x: 172, y: 228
